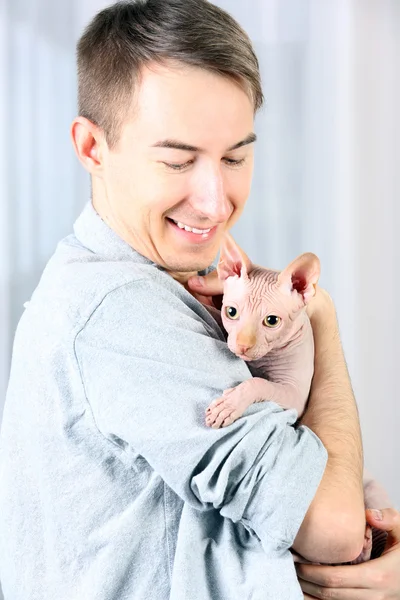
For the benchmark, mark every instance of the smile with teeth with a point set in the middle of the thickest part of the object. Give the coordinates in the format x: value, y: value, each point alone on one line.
x: 192, y: 229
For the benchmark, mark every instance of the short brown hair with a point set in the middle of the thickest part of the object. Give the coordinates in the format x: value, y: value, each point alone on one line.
x: 126, y: 36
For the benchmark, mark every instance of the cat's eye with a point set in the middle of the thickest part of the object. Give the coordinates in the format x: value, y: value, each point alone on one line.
x: 272, y: 321
x: 231, y: 312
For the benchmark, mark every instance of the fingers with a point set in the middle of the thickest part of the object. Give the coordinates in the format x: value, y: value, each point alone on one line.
x: 312, y: 590
x: 209, y: 285
x: 361, y: 576
x: 389, y: 522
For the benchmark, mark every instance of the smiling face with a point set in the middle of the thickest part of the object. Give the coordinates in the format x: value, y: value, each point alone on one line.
x: 184, y: 156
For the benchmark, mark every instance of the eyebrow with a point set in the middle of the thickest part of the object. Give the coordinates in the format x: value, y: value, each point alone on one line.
x: 177, y: 145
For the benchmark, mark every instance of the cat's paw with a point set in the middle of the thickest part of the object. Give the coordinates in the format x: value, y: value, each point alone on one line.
x: 225, y: 410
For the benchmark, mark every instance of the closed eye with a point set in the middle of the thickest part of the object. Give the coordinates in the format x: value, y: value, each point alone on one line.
x: 234, y: 163
x: 182, y: 166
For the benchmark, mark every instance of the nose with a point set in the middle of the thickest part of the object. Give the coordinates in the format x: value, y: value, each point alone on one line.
x: 209, y: 197
x: 246, y: 339
x: 243, y: 349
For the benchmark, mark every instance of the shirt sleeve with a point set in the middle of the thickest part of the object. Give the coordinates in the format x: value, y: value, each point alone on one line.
x: 150, y: 366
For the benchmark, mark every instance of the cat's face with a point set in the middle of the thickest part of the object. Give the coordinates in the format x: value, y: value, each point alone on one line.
x: 258, y: 314
x: 261, y: 307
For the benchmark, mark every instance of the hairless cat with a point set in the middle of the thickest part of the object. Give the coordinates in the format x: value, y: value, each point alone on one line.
x: 264, y: 315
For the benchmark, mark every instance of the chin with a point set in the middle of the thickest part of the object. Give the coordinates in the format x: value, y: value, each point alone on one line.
x: 190, y: 266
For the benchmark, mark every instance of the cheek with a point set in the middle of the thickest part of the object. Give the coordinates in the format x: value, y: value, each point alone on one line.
x: 165, y: 190
x: 156, y: 195
x: 238, y: 187
x: 232, y: 329
x: 262, y: 342
x: 124, y: 186
x: 227, y: 323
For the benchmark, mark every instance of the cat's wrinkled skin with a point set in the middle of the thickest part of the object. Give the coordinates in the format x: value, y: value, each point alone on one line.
x: 285, y: 353
x: 264, y: 315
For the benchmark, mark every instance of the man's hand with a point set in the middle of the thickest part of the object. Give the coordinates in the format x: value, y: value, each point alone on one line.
x: 207, y: 289
x: 377, y: 579
x: 319, y: 304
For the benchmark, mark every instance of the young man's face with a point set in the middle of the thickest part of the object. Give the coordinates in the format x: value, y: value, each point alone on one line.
x: 147, y: 187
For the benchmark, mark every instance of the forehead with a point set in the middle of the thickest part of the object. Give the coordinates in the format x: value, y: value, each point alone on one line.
x: 262, y: 289
x: 191, y: 103
x: 258, y: 291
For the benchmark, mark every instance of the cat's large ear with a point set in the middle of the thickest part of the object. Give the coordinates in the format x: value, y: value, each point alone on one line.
x: 301, y: 276
x: 232, y: 260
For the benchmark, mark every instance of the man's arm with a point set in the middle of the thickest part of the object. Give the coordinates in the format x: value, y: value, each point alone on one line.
x: 337, y: 510
x: 379, y: 578
x: 333, y: 528
x: 151, y: 359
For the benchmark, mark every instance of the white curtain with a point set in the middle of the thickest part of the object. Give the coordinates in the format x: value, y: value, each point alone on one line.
x: 325, y: 177
x: 327, y: 180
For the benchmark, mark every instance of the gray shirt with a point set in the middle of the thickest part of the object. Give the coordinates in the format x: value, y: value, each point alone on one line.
x: 111, y: 485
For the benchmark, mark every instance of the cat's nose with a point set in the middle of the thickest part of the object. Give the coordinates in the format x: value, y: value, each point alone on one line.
x: 243, y: 349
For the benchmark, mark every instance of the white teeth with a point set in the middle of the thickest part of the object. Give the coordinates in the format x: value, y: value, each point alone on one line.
x: 201, y: 230
x: 187, y: 228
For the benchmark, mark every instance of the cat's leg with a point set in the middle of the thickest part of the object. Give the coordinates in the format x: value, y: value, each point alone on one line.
x: 231, y: 405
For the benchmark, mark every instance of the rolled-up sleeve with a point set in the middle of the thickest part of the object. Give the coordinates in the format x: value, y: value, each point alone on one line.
x: 150, y: 367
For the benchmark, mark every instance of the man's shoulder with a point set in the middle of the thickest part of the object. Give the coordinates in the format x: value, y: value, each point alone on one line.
x: 78, y: 284
x: 76, y: 281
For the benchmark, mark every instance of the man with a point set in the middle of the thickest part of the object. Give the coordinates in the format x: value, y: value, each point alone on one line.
x: 112, y: 487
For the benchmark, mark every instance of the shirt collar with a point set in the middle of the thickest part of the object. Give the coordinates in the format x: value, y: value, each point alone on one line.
x: 97, y: 236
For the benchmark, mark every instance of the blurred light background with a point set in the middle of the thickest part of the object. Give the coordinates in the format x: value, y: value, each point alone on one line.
x: 326, y: 177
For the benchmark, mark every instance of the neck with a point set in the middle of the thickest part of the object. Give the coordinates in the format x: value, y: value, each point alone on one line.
x: 182, y: 278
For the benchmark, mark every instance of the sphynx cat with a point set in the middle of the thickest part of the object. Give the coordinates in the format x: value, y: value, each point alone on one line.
x: 264, y: 315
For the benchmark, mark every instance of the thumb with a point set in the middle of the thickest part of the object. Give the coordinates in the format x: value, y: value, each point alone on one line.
x: 207, y: 285
x: 386, y: 519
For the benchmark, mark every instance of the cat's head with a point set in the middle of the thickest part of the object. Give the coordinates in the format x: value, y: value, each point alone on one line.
x: 261, y: 307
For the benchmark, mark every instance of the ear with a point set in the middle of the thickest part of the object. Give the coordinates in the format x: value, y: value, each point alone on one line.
x: 88, y: 141
x: 301, y: 276
x: 232, y: 260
